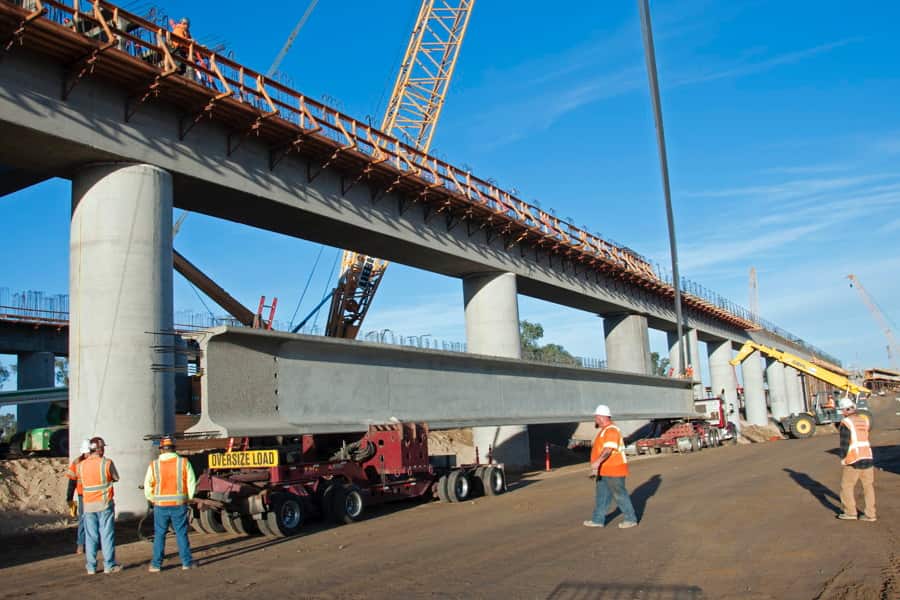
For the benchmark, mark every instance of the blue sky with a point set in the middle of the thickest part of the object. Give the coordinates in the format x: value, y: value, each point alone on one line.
x: 783, y: 138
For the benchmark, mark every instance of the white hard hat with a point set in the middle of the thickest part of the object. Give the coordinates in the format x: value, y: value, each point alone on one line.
x: 602, y: 410
x: 85, y: 446
x: 846, y: 403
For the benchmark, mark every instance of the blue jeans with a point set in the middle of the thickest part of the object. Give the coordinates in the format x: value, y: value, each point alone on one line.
x: 79, y: 537
x: 178, y: 517
x: 99, y: 530
x: 608, y: 488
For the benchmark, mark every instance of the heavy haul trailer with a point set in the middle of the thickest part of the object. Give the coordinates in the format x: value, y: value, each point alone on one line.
x: 274, y: 491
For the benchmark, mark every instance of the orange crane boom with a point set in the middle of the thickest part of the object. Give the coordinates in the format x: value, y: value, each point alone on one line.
x: 411, y: 116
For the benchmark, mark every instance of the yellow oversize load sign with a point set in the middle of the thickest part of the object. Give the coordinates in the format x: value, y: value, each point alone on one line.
x: 250, y: 459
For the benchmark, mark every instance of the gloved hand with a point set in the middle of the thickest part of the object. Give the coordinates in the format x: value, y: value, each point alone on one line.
x: 73, y: 509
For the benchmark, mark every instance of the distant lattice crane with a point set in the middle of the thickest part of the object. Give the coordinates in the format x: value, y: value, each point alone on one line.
x: 754, y: 294
x: 411, y: 116
x: 893, y: 349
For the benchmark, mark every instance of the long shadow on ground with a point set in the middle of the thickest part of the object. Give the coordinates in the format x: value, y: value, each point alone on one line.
x: 823, y: 494
x: 639, y: 497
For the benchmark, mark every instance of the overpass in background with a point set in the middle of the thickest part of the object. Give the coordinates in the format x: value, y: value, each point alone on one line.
x: 95, y: 96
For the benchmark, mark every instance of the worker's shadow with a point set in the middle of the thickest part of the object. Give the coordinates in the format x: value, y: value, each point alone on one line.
x: 823, y: 494
x: 639, y: 497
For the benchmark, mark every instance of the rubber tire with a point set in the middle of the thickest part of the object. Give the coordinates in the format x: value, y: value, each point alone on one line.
x: 275, y: 523
x: 458, y: 487
x: 211, y: 521
x: 476, y: 481
x: 59, y: 443
x: 442, y: 489
x: 802, y: 427
x: 493, y: 480
x: 342, y: 495
x: 239, y: 524
x: 326, y: 498
x: 15, y: 444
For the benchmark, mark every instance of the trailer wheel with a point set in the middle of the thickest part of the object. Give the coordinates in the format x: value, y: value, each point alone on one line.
x: 348, y: 504
x: 285, y: 516
x: 803, y: 426
x: 442, y: 489
x: 493, y: 479
x: 239, y: 524
x: 476, y: 481
x: 211, y: 521
x: 459, y: 488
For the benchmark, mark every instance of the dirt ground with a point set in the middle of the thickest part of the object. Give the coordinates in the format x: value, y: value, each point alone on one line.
x: 752, y: 521
x: 32, y: 494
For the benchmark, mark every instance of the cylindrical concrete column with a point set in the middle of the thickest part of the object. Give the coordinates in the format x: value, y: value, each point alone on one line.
x: 778, y: 396
x: 794, y: 388
x: 492, y: 328
x: 693, y: 343
x: 121, y: 289
x: 627, y: 343
x: 33, y: 370
x: 722, y: 378
x: 754, y: 393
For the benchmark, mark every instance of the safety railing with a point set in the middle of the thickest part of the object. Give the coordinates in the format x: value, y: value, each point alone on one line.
x: 113, y: 29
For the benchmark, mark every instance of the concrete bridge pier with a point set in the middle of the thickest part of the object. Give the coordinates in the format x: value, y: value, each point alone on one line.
x: 120, y: 289
x: 627, y: 343
x: 492, y: 328
x: 693, y: 344
x: 754, y: 393
x: 33, y: 370
x: 778, y: 393
x: 794, y: 387
x: 722, y: 378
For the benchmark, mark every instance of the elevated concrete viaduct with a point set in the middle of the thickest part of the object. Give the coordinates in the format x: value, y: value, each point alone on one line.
x: 136, y: 139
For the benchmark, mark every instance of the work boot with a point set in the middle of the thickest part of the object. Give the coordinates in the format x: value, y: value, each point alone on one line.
x: 592, y: 524
x: 193, y: 565
x: 91, y: 572
x: 627, y: 524
x: 113, y: 569
x: 868, y: 519
x: 153, y: 569
x: 846, y: 517
x: 79, y: 549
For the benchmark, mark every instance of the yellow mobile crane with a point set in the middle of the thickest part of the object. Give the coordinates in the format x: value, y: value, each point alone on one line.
x: 411, y: 116
x: 803, y: 425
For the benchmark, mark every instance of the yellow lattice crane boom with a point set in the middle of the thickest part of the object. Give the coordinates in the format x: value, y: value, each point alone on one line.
x: 802, y: 365
x: 411, y: 116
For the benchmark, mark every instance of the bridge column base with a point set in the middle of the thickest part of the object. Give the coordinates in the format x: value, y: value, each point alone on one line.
x: 33, y: 370
x: 121, y: 386
x: 778, y: 394
x: 723, y: 380
x: 492, y: 328
x: 754, y: 393
x: 793, y: 385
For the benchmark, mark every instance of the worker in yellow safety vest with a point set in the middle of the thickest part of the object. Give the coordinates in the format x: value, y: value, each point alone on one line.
x: 610, y: 467
x: 169, y: 485
x: 857, y: 462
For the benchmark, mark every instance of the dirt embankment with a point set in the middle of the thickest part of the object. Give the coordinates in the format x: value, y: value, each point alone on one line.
x: 32, y: 495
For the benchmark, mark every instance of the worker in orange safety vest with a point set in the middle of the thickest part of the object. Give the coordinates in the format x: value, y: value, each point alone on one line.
x: 610, y: 467
x: 74, y: 494
x: 169, y: 485
x: 96, y: 476
x: 857, y: 462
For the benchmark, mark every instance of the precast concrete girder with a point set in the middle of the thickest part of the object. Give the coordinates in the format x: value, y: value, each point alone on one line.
x: 260, y: 383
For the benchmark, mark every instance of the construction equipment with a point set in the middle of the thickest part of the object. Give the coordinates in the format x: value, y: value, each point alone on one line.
x: 822, y: 410
x: 411, y: 116
x: 893, y: 349
x: 258, y: 488
x: 52, y: 439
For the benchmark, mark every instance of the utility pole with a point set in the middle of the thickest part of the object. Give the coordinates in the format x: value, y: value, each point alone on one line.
x: 650, y: 58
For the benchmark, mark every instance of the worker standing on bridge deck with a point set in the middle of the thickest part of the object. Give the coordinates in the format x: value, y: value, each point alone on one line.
x: 182, y: 29
x: 96, y: 474
x: 74, y: 493
x: 856, y: 458
x: 170, y: 485
x: 610, y: 467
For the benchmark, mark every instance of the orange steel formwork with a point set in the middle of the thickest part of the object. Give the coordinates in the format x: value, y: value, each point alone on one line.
x: 98, y: 39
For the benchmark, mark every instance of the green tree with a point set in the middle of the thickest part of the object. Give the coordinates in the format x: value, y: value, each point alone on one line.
x: 61, y: 366
x: 5, y: 372
x: 660, y: 365
x: 7, y: 426
x: 530, y: 334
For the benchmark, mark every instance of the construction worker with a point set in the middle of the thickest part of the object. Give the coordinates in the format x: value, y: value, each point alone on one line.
x: 610, y: 467
x: 856, y: 458
x: 169, y: 485
x: 180, y: 49
x: 74, y: 494
x: 96, y: 475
